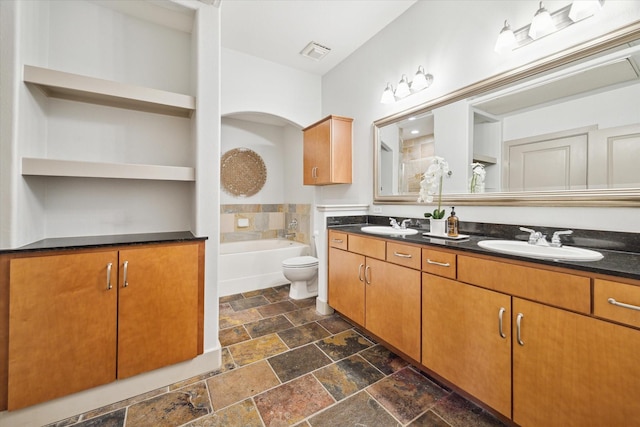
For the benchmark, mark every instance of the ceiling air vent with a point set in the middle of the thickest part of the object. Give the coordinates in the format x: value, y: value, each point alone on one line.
x: 315, y: 51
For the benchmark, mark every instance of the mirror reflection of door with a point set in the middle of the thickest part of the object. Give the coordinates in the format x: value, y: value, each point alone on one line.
x: 614, y: 157
x: 386, y: 169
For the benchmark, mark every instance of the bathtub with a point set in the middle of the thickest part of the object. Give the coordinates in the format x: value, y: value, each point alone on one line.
x: 255, y: 264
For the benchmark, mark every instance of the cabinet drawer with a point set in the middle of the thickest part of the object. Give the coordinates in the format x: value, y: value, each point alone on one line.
x: 338, y: 240
x: 367, y: 246
x: 620, y: 293
x: 550, y: 287
x: 439, y: 263
x: 408, y: 256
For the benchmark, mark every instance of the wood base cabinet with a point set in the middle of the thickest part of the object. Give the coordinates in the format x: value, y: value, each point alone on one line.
x: 573, y: 370
x: 466, y: 338
x: 79, y: 319
x: 381, y: 296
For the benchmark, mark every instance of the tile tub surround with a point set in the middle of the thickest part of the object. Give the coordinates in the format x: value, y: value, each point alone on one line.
x: 266, y: 221
x: 284, y: 364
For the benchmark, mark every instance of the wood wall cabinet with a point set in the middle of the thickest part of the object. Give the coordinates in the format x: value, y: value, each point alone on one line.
x: 328, y: 151
x: 529, y: 341
x: 83, y: 318
x: 377, y: 294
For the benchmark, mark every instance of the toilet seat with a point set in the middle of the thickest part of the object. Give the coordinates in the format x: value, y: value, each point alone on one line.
x: 300, y: 262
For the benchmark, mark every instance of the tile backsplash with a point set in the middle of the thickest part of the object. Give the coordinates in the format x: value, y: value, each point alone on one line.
x: 264, y: 221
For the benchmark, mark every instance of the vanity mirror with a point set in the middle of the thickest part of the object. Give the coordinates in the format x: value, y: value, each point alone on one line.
x: 562, y: 131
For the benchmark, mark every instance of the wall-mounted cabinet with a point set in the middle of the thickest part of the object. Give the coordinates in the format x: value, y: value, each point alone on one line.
x: 327, y: 151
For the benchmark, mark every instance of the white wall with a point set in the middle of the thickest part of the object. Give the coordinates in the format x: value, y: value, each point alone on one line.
x: 251, y: 84
x: 457, y: 48
x: 281, y: 150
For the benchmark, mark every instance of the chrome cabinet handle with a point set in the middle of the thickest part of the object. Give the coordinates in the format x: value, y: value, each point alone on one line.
x: 500, y: 315
x: 314, y: 172
x: 519, y: 330
x: 401, y: 255
x: 367, y: 276
x: 360, y: 272
x: 109, y: 275
x: 337, y: 241
x: 622, y: 304
x: 441, y: 264
x: 124, y: 274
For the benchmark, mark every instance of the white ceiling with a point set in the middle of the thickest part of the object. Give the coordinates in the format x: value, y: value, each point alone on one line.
x: 277, y: 30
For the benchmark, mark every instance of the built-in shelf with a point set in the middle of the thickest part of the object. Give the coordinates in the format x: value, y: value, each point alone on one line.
x: 75, y: 87
x: 481, y: 158
x: 81, y: 169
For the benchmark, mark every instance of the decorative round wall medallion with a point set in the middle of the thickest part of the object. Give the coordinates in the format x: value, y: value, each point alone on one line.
x: 242, y: 172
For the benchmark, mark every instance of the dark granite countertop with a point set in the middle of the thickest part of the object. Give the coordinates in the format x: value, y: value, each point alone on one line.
x: 85, y: 242
x: 614, y: 263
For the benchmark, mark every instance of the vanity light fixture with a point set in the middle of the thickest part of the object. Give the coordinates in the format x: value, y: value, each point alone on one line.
x: 405, y: 88
x: 545, y: 23
x: 542, y: 23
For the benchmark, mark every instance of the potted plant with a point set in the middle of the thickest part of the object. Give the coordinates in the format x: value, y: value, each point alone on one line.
x: 430, y: 186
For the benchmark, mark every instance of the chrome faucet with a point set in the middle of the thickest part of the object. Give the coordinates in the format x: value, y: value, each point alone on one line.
x: 556, y: 242
x: 536, y: 237
x: 394, y: 223
x: 404, y: 223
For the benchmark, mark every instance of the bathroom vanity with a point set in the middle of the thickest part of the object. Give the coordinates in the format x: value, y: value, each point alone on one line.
x: 539, y: 342
x: 81, y: 312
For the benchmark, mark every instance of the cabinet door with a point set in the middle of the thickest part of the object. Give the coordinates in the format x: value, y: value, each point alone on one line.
x: 317, y: 154
x: 573, y: 370
x: 462, y: 340
x: 393, y: 305
x: 62, y: 325
x: 157, y: 307
x: 346, y: 285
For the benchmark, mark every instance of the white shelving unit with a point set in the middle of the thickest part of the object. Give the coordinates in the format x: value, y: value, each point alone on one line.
x: 75, y: 87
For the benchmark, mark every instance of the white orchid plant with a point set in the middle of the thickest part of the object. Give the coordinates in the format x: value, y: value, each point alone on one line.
x: 431, y: 185
x: 477, y: 178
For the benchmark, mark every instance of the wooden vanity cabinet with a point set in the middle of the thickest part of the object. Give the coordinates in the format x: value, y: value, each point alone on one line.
x: 82, y: 318
x: 573, y: 370
x: 327, y: 151
x: 381, y: 296
x: 462, y: 340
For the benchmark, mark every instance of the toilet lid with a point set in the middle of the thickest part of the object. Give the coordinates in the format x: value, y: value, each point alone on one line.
x: 300, y: 261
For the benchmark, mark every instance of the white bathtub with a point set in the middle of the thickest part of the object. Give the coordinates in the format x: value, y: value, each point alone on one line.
x: 255, y: 264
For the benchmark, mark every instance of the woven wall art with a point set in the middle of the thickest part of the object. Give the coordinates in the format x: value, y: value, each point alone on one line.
x: 242, y: 172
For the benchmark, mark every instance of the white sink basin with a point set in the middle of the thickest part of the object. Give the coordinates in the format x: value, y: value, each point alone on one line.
x: 565, y: 253
x: 389, y: 231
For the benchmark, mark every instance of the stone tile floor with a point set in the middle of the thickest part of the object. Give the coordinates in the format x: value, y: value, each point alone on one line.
x: 284, y: 364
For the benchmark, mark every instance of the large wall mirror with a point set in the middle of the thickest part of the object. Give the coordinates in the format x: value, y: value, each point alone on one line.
x: 562, y: 131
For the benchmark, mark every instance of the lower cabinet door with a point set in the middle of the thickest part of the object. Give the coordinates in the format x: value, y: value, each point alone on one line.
x: 465, y: 341
x: 157, y: 307
x: 393, y: 305
x: 573, y: 370
x: 62, y: 325
x: 346, y: 284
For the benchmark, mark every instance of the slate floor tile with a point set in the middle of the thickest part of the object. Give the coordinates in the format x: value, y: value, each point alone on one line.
x: 298, y: 362
x: 304, y: 315
x: 233, y: 335
x: 268, y: 326
x: 301, y: 335
x: 277, y: 308
x: 228, y: 320
x: 384, y: 359
x: 171, y: 409
x: 241, y: 383
x: 406, y: 394
x: 344, y: 344
x: 460, y: 412
x: 242, y: 414
x: 292, y: 402
x: 348, y: 376
x: 335, y: 324
x: 257, y: 349
x: 358, y: 410
x: 246, y: 303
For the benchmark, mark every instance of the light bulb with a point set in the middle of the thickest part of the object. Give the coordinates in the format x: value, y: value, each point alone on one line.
x: 506, y: 39
x: 542, y: 24
x: 403, y: 87
x: 387, y: 95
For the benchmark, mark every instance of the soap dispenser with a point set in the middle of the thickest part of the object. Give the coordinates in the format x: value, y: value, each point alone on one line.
x: 452, y: 224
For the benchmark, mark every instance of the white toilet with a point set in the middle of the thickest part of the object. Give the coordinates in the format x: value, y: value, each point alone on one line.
x: 302, y: 272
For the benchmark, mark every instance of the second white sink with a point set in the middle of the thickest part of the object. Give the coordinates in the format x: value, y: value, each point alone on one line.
x: 389, y: 231
x: 565, y: 253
